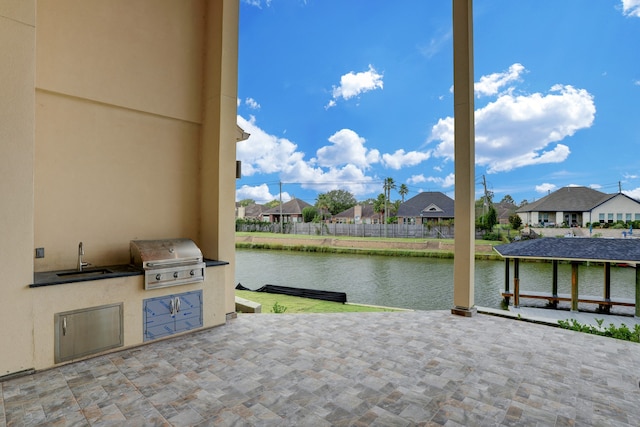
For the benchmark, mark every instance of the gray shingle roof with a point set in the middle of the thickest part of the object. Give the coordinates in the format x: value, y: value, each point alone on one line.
x: 568, y: 199
x: 573, y: 248
x: 441, y: 204
x: 367, y: 212
x: 292, y: 207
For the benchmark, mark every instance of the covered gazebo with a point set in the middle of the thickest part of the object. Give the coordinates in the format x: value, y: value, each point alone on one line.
x: 575, y: 251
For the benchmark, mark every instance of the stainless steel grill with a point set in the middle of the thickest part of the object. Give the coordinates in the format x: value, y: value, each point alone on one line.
x: 169, y: 262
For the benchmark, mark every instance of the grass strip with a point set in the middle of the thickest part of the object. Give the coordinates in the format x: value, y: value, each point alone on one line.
x: 430, y: 253
x: 305, y: 305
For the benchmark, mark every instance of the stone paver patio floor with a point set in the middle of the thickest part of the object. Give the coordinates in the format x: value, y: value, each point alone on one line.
x: 385, y: 369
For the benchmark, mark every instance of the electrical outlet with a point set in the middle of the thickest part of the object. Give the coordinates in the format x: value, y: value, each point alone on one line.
x: 39, y: 252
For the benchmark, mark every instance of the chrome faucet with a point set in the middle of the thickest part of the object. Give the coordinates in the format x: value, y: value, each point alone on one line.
x: 81, y: 263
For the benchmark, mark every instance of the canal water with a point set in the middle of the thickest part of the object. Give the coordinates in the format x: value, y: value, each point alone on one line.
x: 410, y: 282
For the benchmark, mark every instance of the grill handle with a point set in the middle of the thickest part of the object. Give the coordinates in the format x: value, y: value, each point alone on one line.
x: 171, y: 263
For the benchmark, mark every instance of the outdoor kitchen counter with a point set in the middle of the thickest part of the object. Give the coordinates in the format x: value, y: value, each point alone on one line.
x: 59, y: 277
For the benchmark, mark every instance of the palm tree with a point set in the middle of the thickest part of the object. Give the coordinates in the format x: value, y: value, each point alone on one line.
x: 322, y: 203
x: 378, y: 205
x: 404, y: 190
x: 389, y: 184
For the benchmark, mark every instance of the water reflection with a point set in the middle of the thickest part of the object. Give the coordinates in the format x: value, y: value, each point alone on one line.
x: 416, y: 283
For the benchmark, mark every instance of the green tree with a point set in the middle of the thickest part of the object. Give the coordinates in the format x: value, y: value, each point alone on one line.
x: 393, y: 212
x: 491, y: 218
x: 368, y: 201
x: 389, y: 184
x: 403, y: 191
x: 246, y: 202
x: 336, y: 201
x: 379, y: 204
x: 322, y: 203
x: 515, y: 221
x: 309, y: 213
x: 272, y: 204
x: 508, y: 199
x: 488, y: 221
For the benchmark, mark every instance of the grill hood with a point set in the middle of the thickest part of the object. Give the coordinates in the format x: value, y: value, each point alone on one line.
x: 168, y: 262
x: 164, y: 253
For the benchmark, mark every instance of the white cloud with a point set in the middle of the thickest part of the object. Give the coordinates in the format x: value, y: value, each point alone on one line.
x: 347, y: 148
x: 491, y: 84
x: 631, y: 8
x: 401, y: 159
x: 545, y: 188
x: 257, y: 3
x: 436, y: 44
x: 446, y: 182
x: 252, y: 103
x: 259, y: 193
x: 341, y: 165
x: 630, y: 176
x: 264, y: 153
x: 353, y: 84
x: 634, y: 194
x: 516, y: 131
x: 416, y: 179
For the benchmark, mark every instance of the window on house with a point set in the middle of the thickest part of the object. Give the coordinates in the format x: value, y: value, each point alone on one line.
x: 619, y: 217
x: 601, y: 217
x: 627, y: 217
x: 609, y: 217
x: 637, y: 216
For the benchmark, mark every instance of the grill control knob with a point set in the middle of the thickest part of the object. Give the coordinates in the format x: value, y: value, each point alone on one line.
x: 158, y: 276
x: 175, y: 275
x: 192, y: 273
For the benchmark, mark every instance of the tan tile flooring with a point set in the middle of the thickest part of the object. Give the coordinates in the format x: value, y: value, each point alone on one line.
x: 384, y: 369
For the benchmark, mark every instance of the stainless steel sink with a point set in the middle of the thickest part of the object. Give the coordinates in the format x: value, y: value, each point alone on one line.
x: 90, y: 272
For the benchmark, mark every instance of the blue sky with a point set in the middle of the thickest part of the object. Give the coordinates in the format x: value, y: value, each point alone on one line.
x: 341, y: 94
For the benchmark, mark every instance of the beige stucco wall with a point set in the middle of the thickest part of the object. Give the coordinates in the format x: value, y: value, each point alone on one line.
x: 117, y: 122
x: 118, y: 110
x: 17, y: 50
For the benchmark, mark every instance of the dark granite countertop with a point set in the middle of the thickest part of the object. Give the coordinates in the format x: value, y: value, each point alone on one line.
x: 59, y: 277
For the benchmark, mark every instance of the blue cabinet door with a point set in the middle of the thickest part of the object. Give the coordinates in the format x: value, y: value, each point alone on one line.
x: 159, y: 321
x: 189, y: 315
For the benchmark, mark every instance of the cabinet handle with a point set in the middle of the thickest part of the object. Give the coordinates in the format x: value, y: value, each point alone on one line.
x: 177, y: 304
x: 171, y: 304
x: 64, y: 326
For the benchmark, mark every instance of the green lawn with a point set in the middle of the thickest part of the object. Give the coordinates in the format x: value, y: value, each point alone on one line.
x: 304, y: 305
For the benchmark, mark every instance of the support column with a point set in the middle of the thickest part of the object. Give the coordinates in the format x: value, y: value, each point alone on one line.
x: 606, y: 308
x: 637, y: 290
x: 506, y: 279
x: 574, y: 286
x: 219, y: 136
x: 516, y: 282
x: 464, y: 150
x: 554, y: 283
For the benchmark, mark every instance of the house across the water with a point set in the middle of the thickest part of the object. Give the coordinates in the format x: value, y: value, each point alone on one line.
x: 578, y: 207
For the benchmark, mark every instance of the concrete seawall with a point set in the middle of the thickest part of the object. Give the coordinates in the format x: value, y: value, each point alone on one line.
x: 293, y: 240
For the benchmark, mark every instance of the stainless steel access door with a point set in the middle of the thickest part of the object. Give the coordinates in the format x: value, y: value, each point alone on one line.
x: 88, y: 331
